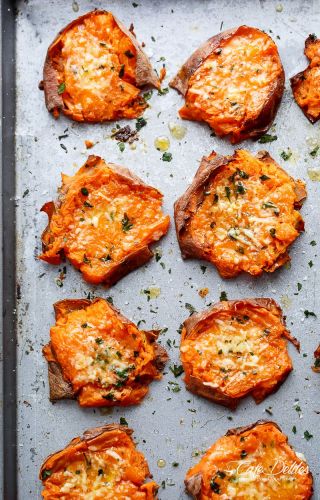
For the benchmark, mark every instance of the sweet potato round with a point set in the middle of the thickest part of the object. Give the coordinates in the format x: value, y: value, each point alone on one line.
x: 306, y: 84
x: 240, y: 213
x: 104, y: 222
x: 234, y: 349
x: 98, y: 356
x: 234, y: 82
x: 255, y: 461
x: 95, y: 69
x: 103, y: 461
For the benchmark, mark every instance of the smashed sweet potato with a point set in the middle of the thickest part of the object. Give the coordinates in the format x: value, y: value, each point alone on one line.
x: 95, y: 69
x: 306, y: 84
x: 316, y: 366
x: 103, y: 222
x: 240, y: 213
x: 234, y: 82
x: 234, y: 349
x: 102, y: 464
x: 100, y: 357
x: 253, y: 462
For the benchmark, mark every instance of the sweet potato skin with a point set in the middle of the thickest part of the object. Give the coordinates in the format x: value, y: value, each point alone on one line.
x: 253, y: 128
x: 145, y: 74
x: 61, y: 388
x: 187, y: 205
x: 216, y: 394
x: 194, y: 480
x: 96, y: 439
x: 135, y: 258
x: 297, y: 80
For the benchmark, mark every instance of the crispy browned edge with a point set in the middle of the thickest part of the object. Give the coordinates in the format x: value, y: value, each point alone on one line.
x: 297, y: 79
x: 316, y: 368
x: 195, y: 384
x: 253, y: 128
x: 88, y: 435
x: 59, y: 387
x: 186, y: 206
x: 145, y: 74
x: 194, y: 483
x: 135, y: 259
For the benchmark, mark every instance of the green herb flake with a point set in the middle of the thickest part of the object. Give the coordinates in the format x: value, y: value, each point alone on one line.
x: 126, y: 223
x: 163, y: 91
x: 264, y: 177
x: 166, y: 156
x: 215, y: 487
x: 140, y: 123
x: 177, y: 370
x: 223, y: 296
x: 87, y: 204
x: 121, y: 146
x: 299, y: 286
x: 307, y: 435
x: 313, y: 243
x: 309, y: 313
x: 84, y: 191
x: 228, y: 192
x: 123, y: 421
x: 285, y: 155
x: 61, y: 88
x: 46, y: 473
x: 243, y: 454
x: 121, y: 72
x: 294, y: 429
x: 267, y: 138
x: 147, y: 95
x: 190, y: 308
x: 129, y: 54
x: 314, y: 152
x: 272, y: 232
x: 99, y: 340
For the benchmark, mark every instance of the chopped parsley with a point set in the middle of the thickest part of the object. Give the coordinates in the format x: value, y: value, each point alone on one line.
x: 307, y: 435
x: 121, y: 146
x: 46, y: 473
x: 240, y: 189
x: 309, y: 313
x: 294, y: 429
x: 314, y: 152
x: 190, y: 308
x: 147, y: 95
x: 177, y: 370
x: 99, y: 340
x: 61, y: 88
x: 121, y: 72
x: 141, y: 122
x: 223, y: 296
x: 129, y: 54
x: 264, y: 177
x: 270, y: 204
x: 166, y: 156
x: 87, y: 204
x: 163, y: 91
x: 243, y: 454
x: 267, y: 138
x: 285, y: 155
x: 215, y: 486
x: 84, y: 191
x: 228, y: 192
x: 126, y: 223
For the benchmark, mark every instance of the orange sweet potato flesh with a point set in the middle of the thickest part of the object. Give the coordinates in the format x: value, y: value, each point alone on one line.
x: 236, y: 348
x: 249, y: 463
x: 306, y: 84
x: 103, y: 463
x: 100, y: 357
x: 234, y: 82
x: 103, y: 222
x: 95, y: 69
x: 240, y: 213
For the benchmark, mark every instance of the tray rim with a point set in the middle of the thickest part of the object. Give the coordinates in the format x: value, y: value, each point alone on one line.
x: 9, y: 332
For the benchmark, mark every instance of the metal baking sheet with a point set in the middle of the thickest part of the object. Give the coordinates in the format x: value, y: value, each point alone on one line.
x: 173, y: 426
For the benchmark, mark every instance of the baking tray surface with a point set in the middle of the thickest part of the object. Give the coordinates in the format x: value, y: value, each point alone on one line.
x: 173, y: 426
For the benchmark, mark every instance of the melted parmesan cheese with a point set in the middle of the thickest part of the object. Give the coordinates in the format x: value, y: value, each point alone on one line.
x: 247, y: 219
x: 237, y: 352
x: 232, y: 85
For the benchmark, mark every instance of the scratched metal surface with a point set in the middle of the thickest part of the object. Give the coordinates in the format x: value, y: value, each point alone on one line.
x: 167, y: 425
